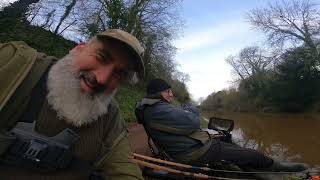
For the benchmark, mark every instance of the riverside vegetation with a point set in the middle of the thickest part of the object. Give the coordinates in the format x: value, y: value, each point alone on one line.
x: 283, y: 75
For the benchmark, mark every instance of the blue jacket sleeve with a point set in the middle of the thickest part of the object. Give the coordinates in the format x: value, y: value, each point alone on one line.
x: 191, y: 108
x: 169, y: 115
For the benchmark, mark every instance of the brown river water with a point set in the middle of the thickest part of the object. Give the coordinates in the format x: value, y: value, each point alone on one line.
x: 285, y: 137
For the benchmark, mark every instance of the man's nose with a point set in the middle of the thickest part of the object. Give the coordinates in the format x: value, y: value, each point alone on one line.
x: 104, y: 74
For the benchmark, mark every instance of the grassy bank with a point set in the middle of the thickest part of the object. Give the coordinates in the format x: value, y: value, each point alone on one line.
x: 203, y: 122
x: 127, y: 96
x: 36, y: 37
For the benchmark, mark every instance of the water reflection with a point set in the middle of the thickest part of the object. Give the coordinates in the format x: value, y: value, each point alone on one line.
x: 282, y: 136
x: 276, y: 150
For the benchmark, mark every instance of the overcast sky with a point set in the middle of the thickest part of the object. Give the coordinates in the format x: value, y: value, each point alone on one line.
x: 214, y: 29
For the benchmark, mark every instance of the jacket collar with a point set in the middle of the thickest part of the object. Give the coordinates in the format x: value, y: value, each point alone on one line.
x: 149, y: 101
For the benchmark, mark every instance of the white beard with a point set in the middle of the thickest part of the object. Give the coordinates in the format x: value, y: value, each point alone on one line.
x: 67, y: 99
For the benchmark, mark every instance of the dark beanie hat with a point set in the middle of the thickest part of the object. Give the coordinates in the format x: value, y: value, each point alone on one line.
x: 157, y: 85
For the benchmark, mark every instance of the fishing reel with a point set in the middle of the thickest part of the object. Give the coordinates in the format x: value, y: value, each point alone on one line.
x: 223, y: 127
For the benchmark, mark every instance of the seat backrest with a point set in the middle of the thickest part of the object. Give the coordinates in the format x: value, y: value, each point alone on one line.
x: 155, y: 148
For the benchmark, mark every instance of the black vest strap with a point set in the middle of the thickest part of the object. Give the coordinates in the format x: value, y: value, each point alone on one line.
x: 38, y: 96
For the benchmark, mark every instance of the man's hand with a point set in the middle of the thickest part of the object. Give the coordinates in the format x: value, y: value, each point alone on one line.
x: 191, y: 108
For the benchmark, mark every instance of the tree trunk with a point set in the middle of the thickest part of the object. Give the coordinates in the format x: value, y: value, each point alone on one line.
x: 65, y: 15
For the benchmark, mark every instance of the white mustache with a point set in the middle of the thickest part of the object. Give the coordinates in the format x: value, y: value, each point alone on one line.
x: 90, y: 78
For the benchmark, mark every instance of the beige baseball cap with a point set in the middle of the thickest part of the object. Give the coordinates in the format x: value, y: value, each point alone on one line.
x: 132, y: 43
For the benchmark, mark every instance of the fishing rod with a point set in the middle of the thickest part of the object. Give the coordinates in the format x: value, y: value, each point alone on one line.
x: 166, y: 162
x: 179, y: 172
x: 206, y: 168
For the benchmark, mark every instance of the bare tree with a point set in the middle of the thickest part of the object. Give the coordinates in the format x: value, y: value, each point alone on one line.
x: 249, y: 62
x: 289, y: 21
x: 43, y: 13
x: 48, y: 19
x: 65, y: 15
x: 181, y: 76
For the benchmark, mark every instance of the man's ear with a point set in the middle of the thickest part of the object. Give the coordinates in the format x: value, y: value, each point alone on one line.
x: 78, y: 47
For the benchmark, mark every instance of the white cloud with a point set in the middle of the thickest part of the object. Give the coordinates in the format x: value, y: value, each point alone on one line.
x: 202, y: 55
x: 207, y: 74
x: 210, y: 36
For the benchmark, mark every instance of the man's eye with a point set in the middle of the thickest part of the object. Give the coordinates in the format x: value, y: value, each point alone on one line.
x: 103, y: 58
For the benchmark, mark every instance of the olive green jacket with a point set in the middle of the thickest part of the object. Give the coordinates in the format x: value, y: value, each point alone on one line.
x: 103, y: 143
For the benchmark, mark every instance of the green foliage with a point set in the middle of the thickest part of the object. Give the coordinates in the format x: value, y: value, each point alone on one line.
x: 292, y: 86
x: 273, y: 80
x: 127, y: 96
x: 203, y: 123
x: 15, y: 27
x: 36, y: 37
x: 180, y: 90
x: 256, y: 90
x: 17, y: 9
x: 117, y: 14
x: 225, y: 100
x: 298, y: 81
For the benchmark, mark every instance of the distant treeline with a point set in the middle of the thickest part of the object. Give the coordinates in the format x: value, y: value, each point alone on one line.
x: 284, y: 75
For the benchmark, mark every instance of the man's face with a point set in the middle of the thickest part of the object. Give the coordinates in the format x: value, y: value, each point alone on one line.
x: 167, y: 95
x: 82, y: 84
x: 101, y: 66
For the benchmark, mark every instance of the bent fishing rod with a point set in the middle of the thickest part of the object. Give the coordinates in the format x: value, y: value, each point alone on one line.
x: 179, y: 172
x: 187, y: 166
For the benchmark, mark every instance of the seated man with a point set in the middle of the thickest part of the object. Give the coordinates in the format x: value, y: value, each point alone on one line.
x: 178, y: 132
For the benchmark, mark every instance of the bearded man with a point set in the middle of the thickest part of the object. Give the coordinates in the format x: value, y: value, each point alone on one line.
x: 75, y: 93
